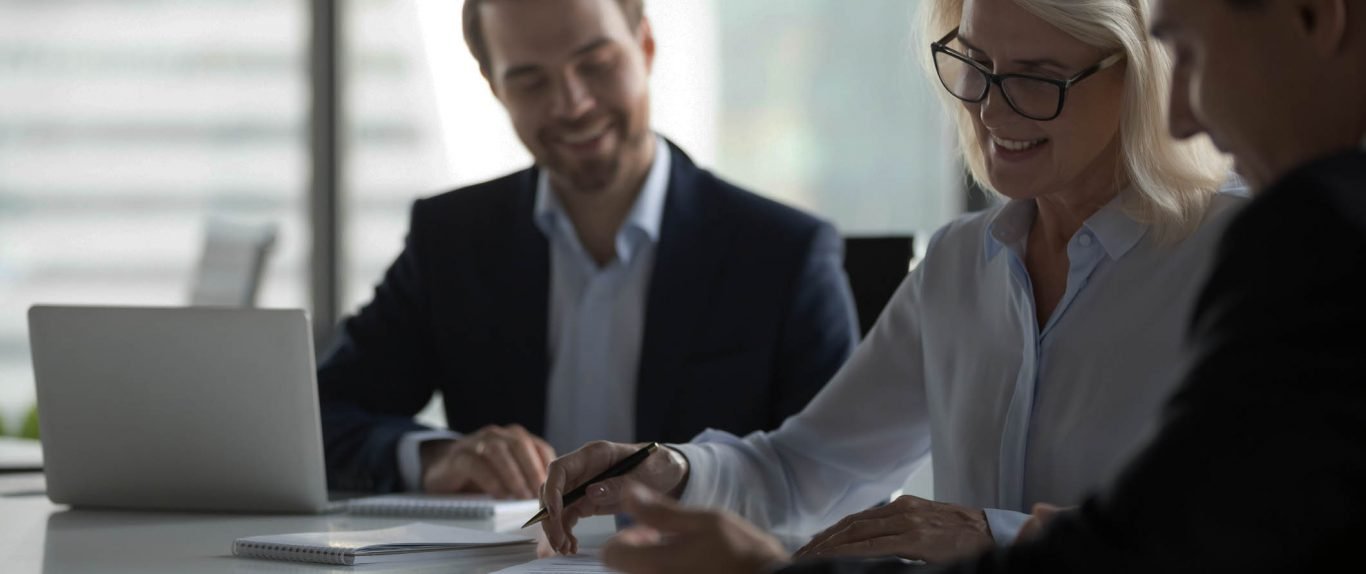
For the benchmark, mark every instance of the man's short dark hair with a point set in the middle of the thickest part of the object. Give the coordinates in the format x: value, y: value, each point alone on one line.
x: 634, y: 10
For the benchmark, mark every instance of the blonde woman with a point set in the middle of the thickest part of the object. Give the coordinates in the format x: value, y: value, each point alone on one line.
x: 1033, y: 346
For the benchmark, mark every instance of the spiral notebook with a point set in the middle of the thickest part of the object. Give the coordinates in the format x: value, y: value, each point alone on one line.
x: 417, y: 541
x: 437, y: 506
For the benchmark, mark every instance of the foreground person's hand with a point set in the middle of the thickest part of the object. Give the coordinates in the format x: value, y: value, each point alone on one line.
x: 669, y: 539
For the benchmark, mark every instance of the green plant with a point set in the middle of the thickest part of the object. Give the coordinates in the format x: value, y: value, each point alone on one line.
x: 30, y: 428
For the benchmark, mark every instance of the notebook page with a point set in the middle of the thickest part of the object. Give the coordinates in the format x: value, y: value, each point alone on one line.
x: 416, y: 535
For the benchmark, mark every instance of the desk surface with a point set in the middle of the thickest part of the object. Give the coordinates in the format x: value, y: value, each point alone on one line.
x: 37, y: 536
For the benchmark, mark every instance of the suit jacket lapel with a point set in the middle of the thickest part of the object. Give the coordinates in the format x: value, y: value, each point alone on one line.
x: 686, y: 259
x: 524, y: 303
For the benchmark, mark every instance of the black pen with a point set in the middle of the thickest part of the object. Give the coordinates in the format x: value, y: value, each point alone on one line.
x: 622, y: 466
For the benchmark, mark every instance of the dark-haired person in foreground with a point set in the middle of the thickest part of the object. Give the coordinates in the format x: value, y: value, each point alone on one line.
x: 1260, y: 462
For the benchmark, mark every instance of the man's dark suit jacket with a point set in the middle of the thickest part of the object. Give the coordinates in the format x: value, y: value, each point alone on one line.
x: 1260, y: 464
x: 748, y: 315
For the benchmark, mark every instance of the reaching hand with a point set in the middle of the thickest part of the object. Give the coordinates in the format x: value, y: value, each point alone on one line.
x: 909, y: 527
x: 669, y: 539
x: 664, y: 471
x: 503, y: 462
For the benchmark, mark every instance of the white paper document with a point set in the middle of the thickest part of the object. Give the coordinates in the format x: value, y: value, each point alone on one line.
x: 578, y: 564
x: 410, y: 542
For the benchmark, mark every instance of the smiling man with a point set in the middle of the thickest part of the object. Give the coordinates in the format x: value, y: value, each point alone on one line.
x: 1260, y: 461
x: 613, y: 291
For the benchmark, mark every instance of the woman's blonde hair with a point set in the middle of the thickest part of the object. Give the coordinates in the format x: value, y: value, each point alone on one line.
x: 1173, y: 180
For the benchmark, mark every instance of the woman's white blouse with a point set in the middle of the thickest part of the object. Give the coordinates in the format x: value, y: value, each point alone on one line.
x: 957, y: 367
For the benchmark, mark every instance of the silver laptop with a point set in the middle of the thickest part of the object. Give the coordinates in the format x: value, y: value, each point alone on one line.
x: 178, y: 408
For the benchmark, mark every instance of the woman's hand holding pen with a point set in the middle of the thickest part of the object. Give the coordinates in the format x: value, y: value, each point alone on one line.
x: 665, y: 471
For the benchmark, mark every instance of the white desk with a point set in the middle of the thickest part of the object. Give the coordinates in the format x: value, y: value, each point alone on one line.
x: 37, y: 536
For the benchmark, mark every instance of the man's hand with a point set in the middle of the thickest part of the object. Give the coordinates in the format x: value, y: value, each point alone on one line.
x: 909, y: 527
x: 664, y: 471
x: 668, y: 539
x: 503, y: 462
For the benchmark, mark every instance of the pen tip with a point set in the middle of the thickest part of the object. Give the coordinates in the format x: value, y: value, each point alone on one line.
x: 535, y: 519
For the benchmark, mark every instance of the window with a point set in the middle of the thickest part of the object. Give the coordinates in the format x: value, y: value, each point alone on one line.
x: 125, y: 126
x: 825, y: 107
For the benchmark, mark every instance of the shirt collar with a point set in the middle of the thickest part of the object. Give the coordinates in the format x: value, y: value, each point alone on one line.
x: 1009, y: 226
x: 1115, y: 230
x: 646, y: 215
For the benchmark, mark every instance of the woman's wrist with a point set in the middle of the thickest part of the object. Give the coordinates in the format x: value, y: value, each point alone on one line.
x: 678, y: 471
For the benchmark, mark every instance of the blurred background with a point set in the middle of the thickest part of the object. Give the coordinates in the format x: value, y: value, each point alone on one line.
x: 127, y: 127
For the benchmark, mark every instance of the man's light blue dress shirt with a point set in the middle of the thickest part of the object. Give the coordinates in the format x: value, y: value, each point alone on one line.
x: 958, y: 367
x: 597, y: 316
x: 596, y: 324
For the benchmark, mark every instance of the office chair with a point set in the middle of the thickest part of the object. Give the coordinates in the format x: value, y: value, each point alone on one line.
x: 232, y: 264
x: 876, y: 266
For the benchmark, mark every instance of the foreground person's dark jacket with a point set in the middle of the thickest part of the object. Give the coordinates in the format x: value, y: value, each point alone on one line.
x: 1260, y: 465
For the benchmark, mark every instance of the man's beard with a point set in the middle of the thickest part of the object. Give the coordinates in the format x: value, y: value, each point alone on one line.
x: 593, y: 175
x: 598, y: 174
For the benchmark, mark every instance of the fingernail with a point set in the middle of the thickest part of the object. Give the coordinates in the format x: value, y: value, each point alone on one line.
x: 599, y: 490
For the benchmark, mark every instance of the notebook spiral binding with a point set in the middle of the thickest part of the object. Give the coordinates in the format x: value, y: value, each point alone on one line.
x: 430, y: 509
x: 291, y: 552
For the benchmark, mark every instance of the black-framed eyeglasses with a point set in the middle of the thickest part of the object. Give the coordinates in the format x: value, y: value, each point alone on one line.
x: 1034, y: 97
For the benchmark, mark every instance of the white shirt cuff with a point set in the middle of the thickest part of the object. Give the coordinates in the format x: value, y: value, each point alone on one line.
x: 706, y: 487
x: 1005, y: 525
x: 701, y: 474
x: 409, y: 456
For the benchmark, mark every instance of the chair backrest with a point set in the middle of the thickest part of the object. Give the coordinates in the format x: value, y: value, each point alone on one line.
x: 232, y: 264
x: 876, y: 266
